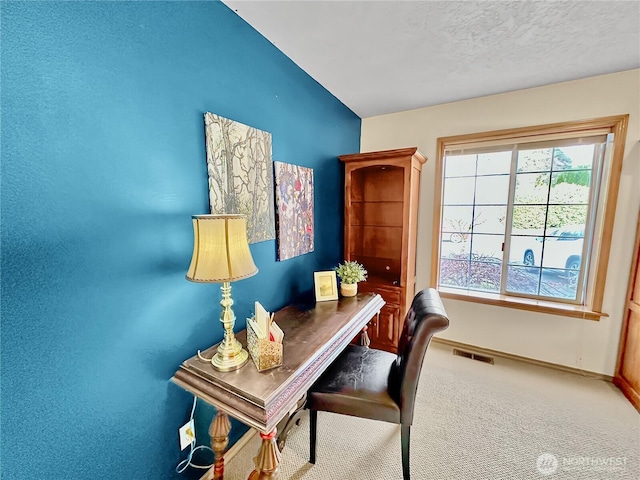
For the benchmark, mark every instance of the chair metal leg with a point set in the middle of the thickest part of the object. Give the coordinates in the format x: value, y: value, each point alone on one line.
x: 405, y: 435
x: 313, y: 429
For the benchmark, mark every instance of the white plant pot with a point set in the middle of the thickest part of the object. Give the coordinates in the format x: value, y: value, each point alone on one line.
x: 348, y: 289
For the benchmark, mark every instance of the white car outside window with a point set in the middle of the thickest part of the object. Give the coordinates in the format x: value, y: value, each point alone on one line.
x: 561, y: 248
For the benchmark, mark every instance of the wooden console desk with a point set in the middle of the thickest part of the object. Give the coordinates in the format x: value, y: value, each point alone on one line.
x: 314, y: 335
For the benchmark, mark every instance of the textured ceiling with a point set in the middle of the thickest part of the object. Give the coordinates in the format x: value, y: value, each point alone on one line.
x: 380, y: 57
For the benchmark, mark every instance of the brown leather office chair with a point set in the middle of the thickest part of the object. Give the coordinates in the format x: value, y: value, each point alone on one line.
x: 369, y: 383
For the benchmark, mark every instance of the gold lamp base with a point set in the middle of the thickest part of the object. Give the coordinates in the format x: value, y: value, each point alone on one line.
x: 230, y: 356
x: 227, y: 361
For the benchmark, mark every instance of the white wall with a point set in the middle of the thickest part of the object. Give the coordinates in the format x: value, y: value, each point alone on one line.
x: 562, y: 340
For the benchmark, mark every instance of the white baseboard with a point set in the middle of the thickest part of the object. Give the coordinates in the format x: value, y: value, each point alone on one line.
x: 532, y: 361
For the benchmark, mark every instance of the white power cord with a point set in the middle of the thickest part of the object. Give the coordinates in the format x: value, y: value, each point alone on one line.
x: 187, y: 462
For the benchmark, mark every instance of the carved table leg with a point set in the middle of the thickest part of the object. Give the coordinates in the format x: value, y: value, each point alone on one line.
x: 219, y: 433
x: 364, y: 337
x: 268, y: 460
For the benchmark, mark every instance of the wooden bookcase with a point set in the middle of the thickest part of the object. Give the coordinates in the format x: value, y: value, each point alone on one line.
x: 380, y: 227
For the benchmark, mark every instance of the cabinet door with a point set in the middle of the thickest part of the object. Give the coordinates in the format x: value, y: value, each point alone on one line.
x: 383, y: 329
x: 628, y: 370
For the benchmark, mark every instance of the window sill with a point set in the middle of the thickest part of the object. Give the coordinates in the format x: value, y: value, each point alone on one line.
x: 540, y: 306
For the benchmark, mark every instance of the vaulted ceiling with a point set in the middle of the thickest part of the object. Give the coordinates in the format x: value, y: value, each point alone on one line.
x: 381, y: 57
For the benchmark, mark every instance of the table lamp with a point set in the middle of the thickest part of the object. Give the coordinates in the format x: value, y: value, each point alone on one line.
x: 221, y: 255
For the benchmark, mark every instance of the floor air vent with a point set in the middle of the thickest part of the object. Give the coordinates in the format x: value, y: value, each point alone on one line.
x: 473, y: 356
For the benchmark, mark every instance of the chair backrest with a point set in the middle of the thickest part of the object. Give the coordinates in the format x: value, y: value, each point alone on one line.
x: 425, y: 317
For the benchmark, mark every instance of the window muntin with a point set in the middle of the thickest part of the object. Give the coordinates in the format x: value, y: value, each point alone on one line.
x: 516, y: 218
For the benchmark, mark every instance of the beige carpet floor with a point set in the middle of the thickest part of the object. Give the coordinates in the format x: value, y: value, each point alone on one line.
x: 474, y: 420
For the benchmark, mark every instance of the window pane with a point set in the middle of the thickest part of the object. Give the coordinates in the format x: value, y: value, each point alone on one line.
x: 486, y: 247
x: 570, y: 187
x: 456, y: 245
x: 523, y: 280
x: 559, y: 283
x: 537, y: 160
x: 563, y: 248
x: 460, y: 165
x: 494, y: 163
x: 485, y: 276
x: 544, y: 282
x: 525, y: 250
x: 532, y: 188
x: 490, y: 219
x: 563, y: 215
x: 575, y: 157
x: 456, y: 219
x: 454, y: 273
x: 459, y: 191
x: 492, y: 190
x: 530, y: 218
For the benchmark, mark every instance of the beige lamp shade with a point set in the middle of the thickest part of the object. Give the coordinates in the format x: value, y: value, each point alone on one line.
x: 220, y: 249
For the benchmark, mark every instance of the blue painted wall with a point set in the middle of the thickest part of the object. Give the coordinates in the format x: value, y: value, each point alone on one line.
x: 103, y: 164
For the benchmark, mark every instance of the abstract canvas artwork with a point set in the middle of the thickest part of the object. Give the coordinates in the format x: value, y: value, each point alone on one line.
x: 240, y: 174
x: 294, y: 203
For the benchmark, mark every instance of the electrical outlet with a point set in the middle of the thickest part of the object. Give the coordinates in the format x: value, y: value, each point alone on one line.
x: 187, y: 434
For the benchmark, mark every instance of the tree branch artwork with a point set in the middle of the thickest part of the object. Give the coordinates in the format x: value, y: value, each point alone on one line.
x: 294, y: 199
x: 240, y: 174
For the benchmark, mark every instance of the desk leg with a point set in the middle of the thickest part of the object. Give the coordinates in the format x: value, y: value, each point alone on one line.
x: 268, y: 460
x: 219, y: 433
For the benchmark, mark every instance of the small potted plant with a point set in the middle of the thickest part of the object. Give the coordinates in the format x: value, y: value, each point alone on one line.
x: 350, y: 273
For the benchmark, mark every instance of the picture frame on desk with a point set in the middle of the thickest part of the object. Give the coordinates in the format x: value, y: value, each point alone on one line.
x: 326, y: 285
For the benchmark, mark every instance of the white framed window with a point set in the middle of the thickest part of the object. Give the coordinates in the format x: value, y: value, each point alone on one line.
x: 522, y: 215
